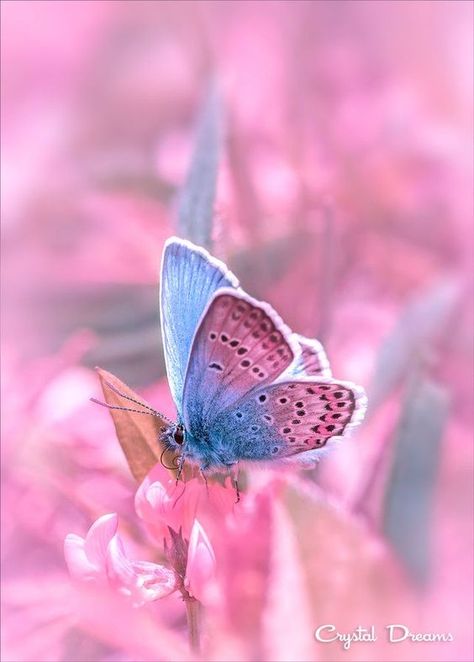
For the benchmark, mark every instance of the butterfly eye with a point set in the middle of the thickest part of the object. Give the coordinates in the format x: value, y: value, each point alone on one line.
x: 179, y: 435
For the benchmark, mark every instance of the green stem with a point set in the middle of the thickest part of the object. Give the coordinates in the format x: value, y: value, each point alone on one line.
x: 193, y: 609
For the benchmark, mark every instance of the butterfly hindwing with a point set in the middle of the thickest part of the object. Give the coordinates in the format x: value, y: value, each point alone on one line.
x: 241, y: 344
x: 189, y: 278
x: 313, y: 361
x: 288, y: 418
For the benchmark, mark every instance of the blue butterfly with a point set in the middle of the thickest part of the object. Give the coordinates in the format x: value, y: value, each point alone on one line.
x: 246, y: 388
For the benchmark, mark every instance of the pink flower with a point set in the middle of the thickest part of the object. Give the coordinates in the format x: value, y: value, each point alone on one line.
x: 161, y: 503
x: 86, y: 558
x: 201, y: 565
x: 100, y: 558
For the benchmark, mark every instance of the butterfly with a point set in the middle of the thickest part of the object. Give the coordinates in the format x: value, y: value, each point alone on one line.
x: 246, y: 388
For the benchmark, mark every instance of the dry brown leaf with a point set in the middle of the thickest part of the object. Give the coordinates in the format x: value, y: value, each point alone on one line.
x: 138, y: 434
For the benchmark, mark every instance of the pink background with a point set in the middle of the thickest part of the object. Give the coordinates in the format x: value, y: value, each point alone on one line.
x: 344, y: 199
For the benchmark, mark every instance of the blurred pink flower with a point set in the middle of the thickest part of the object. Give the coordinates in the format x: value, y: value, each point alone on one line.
x: 161, y: 503
x: 201, y: 565
x: 100, y: 557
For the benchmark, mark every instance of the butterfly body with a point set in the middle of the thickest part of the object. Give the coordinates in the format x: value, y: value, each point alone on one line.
x: 214, y: 449
x: 246, y: 388
x: 208, y: 448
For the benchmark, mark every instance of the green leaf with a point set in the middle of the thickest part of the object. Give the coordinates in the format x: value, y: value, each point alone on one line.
x: 196, y: 200
x: 409, y: 494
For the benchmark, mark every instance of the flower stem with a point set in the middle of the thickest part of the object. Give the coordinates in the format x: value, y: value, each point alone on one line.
x: 193, y: 609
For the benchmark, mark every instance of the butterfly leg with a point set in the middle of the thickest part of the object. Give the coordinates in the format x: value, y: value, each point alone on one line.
x: 180, y: 467
x: 237, y: 491
x: 234, y: 475
x: 204, y: 477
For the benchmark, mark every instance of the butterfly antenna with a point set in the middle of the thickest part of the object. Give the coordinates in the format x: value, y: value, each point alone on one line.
x: 137, y: 402
x: 137, y: 411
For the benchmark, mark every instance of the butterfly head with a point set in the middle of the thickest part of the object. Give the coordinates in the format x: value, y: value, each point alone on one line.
x: 174, y: 437
x: 178, y: 434
x: 177, y: 439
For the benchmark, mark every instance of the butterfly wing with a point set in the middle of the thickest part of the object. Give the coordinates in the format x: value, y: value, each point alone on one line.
x: 313, y: 361
x: 241, y: 344
x: 291, y: 419
x: 189, y: 277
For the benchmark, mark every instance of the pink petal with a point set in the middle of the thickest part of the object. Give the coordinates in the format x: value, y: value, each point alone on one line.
x: 161, y: 505
x: 286, y: 595
x: 77, y: 562
x: 154, y: 581
x: 159, y: 499
x: 119, y: 569
x: 98, y: 538
x: 200, y: 569
x: 141, y: 580
x: 142, y: 505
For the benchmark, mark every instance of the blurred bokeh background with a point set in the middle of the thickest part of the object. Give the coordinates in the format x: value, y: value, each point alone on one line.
x: 343, y: 133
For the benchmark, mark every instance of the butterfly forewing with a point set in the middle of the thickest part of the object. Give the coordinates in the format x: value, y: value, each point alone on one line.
x: 240, y: 345
x: 189, y: 278
x: 283, y: 419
